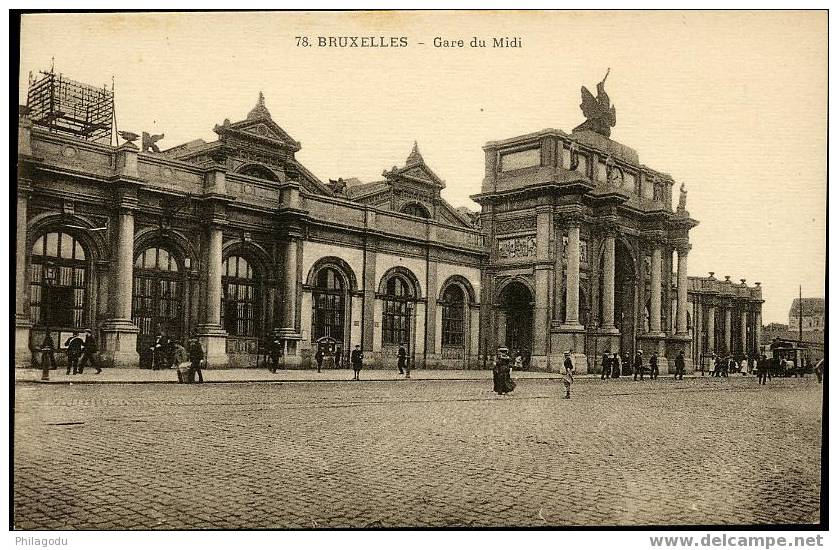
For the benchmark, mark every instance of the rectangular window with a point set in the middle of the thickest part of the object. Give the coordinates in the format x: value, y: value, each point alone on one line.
x: 520, y: 159
x: 396, y: 322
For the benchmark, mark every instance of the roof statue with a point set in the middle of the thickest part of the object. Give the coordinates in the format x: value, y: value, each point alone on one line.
x: 260, y: 111
x: 600, y: 114
x: 682, y: 199
x: 415, y: 156
x: 150, y: 141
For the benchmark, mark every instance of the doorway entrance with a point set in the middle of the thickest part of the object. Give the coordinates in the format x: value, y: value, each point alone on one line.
x: 625, y: 283
x: 516, y: 304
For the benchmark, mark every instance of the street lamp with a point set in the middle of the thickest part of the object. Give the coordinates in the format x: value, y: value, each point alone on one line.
x: 47, y: 347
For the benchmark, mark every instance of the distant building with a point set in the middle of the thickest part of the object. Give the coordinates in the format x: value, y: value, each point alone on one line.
x: 813, y: 314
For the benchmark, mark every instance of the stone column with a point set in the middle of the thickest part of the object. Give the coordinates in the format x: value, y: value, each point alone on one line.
x: 655, y: 310
x: 119, y: 335
x: 542, y: 286
x: 728, y: 315
x: 743, y: 330
x: 212, y: 336
x: 681, y: 320
x: 608, y: 285
x: 289, y: 288
x: 571, y: 319
x: 711, y: 329
x: 758, y: 331
x: 23, y: 357
x: 214, y: 264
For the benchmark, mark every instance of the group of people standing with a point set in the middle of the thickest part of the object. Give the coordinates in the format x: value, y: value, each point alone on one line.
x: 613, y: 365
x: 81, y: 352
x: 166, y: 353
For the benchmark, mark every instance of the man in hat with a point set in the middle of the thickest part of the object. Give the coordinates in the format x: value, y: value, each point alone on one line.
x: 75, y: 348
x: 498, y: 369
x: 91, y: 348
x: 402, y: 358
x: 653, y: 366
x: 606, y: 366
x: 568, y: 373
x: 638, y: 364
x: 357, y: 360
x: 680, y: 366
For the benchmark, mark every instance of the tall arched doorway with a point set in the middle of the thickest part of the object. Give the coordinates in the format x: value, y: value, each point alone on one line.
x: 625, y: 283
x: 516, y: 305
x: 158, y: 297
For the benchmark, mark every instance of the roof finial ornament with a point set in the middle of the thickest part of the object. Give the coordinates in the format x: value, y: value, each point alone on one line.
x: 415, y: 156
x: 260, y: 111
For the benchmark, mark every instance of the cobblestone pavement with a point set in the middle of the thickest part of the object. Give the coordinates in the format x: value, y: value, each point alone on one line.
x: 416, y: 453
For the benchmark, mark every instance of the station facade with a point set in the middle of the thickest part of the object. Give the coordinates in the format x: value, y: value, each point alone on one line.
x: 234, y: 240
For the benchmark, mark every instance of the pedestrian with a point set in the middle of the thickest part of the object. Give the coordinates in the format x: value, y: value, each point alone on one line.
x: 717, y: 366
x: 762, y: 370
x: 318, y: 359
x: 275, y: 351
x: 401, y: 360
x: 519, y: 361
x: 567, y: 380
x: 680, y: 366
x: 606, y: 366
x: 653, y: 366
x: 91, y: 348
x: 357, y: 360
x: 47, y: 350
x: 158, y: 351
x: 616, y: 365
x: 638, y: 364
x: 497, y: 370
x: 819, y: 369
x: 329, y: 360
x: 75, y: 347
x: 180, y: 358
x: 527, y: 355
x: 626, y: 365
x: 196, y: 360
x: 338, y: 358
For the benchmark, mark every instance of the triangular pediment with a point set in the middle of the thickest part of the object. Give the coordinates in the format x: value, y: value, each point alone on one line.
x: 264, y: 131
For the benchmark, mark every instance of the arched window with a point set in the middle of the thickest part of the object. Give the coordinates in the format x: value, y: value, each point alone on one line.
x: 241, y: 297
x: 328, y: 304
x: 453, y: 314
x: 158, y: 295
x: 61, y: 303
x: 258, y: 171
x: 397, y: 310
x: 416, y: 209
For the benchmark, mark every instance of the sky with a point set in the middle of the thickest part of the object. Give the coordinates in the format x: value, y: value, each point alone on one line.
x: 733, y: 104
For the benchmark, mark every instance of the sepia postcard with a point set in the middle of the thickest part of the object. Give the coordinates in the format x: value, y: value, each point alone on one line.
x: 420, y: 270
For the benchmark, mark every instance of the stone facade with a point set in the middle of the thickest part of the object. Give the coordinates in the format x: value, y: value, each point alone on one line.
x: 725, y: 317
x: 581, y: 239
x: 234, y: 240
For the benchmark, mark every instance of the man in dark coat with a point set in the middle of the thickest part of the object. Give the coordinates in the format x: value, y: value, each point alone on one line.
x: 567, y: 380
x: 638, y: 364
x: 91, y: 348
x: 402, y: 358
x: 318, y: 359
x: 196, y: 357
x: 75, y: 347
x: 357, y: 360
x: 606, y: 366
x: 680, y: 366
x: 159, y: 350
x: 275, y: 351
x: 653, y: 366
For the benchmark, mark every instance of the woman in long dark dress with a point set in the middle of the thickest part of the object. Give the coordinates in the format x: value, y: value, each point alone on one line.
x: 499, y: 369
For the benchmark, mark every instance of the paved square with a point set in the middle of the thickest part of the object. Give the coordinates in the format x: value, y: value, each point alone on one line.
x: 416, y: 453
